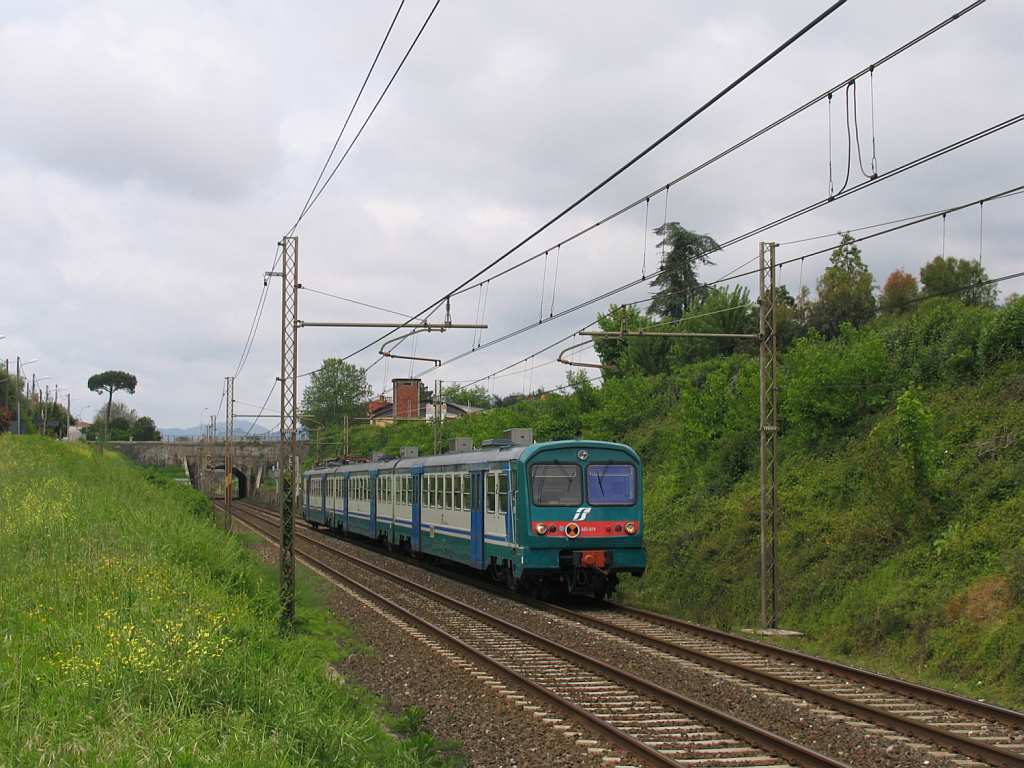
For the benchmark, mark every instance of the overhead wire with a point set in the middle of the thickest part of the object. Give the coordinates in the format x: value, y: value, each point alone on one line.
x: 904, y: 223
x: 892, y: 54
x: 869, y: 69
x: 373, y: 110
x: 743, y: 142
x: 757, y: 230
x: 354, y: 301
x: 312, y: 199
x: 352, y: 109
x: 643, y: 153
x: 262, y: 409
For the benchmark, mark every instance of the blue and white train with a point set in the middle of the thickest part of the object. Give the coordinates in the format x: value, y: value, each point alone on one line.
x: 558, y: 516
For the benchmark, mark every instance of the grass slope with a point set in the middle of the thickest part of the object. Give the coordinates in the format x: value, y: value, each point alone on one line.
x: 134, y: 633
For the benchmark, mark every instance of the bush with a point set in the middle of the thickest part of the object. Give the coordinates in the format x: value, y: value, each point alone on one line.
x: 1003, y: 336
x: 829, y: 386
x: 939, y: 342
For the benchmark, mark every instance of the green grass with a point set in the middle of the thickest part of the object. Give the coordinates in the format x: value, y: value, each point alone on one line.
x: 134, y: 633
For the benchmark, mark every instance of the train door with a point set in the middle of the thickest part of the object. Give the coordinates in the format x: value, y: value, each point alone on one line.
x: 392, y: 513
x: 323, y: 498
x: 373, y: 504
x: 344, y: 503
x: 476, y: 520
x: 417, y: 478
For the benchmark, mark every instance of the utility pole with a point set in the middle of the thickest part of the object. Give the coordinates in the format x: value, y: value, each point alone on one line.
x: 229, y: 436
x: 7, y: 381
x: 346, y: 427
x: 67, y: 434
x: 288, y: 463
x: 769, y: 406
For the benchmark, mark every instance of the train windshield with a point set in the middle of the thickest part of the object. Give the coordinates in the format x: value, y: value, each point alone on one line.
x: 556, y: 485
x: 609, y: 484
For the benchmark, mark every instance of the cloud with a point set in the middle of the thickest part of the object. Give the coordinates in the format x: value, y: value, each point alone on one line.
x: 120, y: 94
x: 152, y: 155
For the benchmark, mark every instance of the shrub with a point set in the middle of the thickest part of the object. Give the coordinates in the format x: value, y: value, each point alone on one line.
x: 829, y: 386
x: 1003, y: 336
x: 939, y: 342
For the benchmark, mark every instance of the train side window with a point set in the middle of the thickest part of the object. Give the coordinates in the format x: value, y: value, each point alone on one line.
x: 447, y: 491
x: 490, y: 505
x: 502, y: 493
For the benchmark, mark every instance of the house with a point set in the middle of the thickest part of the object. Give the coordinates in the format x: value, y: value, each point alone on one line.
x: 407, y: 405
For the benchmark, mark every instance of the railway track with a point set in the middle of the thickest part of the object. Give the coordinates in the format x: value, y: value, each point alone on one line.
x: 981, y: 733
x: 658, y: 726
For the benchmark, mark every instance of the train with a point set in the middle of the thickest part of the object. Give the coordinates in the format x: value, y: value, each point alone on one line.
x: 558, y: 517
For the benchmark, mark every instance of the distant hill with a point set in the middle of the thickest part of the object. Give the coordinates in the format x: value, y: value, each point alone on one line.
x: 241, y: 428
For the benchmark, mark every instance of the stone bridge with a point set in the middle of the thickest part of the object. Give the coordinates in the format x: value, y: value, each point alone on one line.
x: 204, y: 461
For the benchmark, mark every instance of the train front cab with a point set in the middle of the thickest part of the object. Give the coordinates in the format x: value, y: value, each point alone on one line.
x: 584, y: 516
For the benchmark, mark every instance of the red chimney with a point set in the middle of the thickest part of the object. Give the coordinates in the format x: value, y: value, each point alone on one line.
x: 406, y: 398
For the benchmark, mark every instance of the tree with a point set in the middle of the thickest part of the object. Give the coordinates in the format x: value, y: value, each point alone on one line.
x: 144, y: 428
x: 337, y: 390
x: 680, y: 288
x: 899, y: 291
x: 721, y: 310
x: 948, y: 275
x: 111, y: 382
x: 473, y: 396
x: 844, y: 291
x: 648, y: 354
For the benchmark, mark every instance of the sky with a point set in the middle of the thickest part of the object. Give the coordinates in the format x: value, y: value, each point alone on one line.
x: 153, y: 154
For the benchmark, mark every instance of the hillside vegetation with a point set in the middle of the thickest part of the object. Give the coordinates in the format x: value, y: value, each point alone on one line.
x: 134, y: 632
x: 902, y: 529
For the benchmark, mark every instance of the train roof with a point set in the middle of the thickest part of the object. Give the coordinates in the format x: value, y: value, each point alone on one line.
x: 488, y: 454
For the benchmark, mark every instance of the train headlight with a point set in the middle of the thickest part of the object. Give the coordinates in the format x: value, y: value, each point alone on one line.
x: 572, y: 530
x: 631, y: 527
x: 540, y: 528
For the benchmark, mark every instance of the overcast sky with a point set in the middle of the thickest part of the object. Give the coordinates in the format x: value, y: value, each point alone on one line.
x: 152, y: 154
